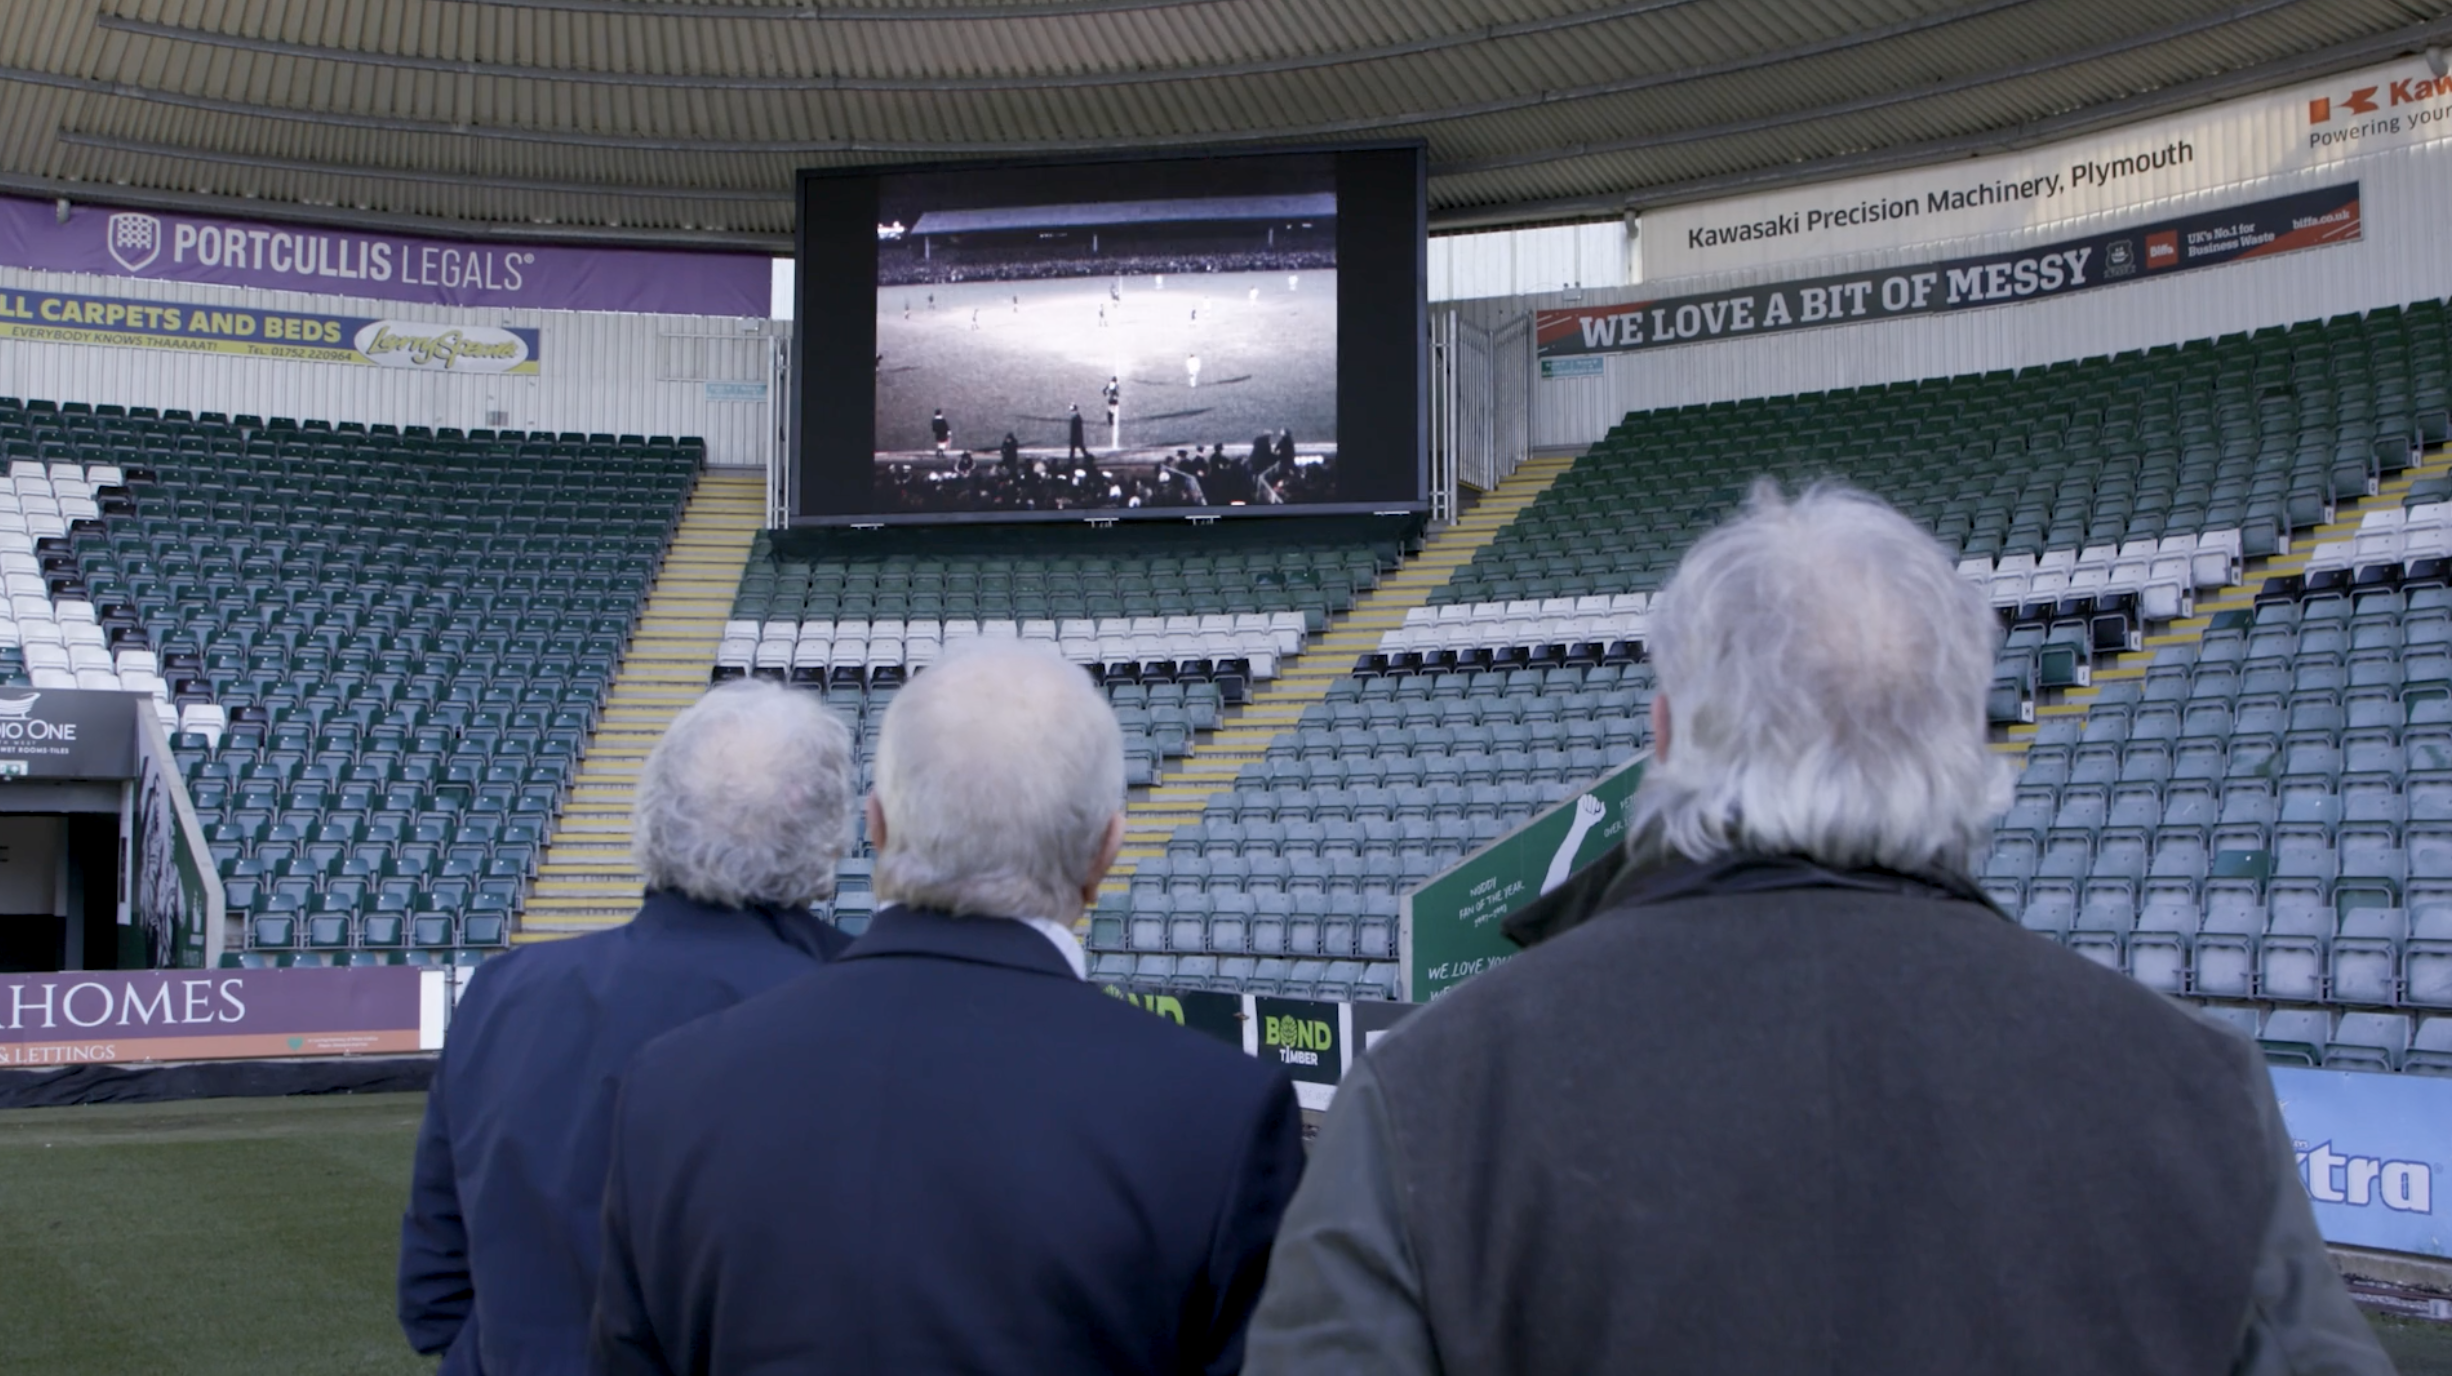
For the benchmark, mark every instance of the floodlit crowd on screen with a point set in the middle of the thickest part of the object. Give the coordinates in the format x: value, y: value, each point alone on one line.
x: 1269, y: 473
x: 1002, y: 267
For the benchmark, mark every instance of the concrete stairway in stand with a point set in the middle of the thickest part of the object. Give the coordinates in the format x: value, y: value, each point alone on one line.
x: 585, y: 880
x: 1329, y: 656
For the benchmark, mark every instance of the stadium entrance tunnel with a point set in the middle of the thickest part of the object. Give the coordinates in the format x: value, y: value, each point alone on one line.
x: 102, y: 863
x: 59, y: 880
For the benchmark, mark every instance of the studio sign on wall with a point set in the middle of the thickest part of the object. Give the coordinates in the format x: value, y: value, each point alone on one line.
x: 60, y: 733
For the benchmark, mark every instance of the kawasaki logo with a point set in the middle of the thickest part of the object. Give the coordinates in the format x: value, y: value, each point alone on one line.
x: 2363, y: 101
x: 2360, y: 102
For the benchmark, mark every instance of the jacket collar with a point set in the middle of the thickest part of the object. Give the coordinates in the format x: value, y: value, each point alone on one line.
x: 898, y: 930
x: 1665, y: 877
x: 1743, y: 873
x: 669, y: 914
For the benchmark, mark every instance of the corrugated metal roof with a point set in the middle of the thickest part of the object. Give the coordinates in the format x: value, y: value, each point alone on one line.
x: 684, y: 120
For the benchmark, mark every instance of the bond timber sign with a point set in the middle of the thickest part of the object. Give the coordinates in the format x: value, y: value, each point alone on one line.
x: 1450, y: 927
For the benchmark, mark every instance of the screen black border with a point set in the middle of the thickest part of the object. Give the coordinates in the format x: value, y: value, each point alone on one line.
x: 830, y: 371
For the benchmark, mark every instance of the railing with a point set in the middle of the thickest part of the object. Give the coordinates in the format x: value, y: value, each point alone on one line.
x: 1480, y: 406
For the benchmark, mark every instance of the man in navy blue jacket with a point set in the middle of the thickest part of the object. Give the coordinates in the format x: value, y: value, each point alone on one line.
x: 742, y: 811
x: 945, y: 1151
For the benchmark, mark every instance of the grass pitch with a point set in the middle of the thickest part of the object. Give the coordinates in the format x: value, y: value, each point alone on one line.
x: 1001, y: 356
x: 220, y: 1235
x: 258, y: 1236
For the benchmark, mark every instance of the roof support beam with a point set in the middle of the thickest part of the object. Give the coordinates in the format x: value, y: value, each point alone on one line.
x: 1212, y: 71
x: 2245, y: 81
x: 337, y: 217
x: 145, y: 149
x: 1342, y: 128
x: 1881, y: 101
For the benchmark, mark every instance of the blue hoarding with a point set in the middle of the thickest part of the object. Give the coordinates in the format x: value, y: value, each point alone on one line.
x: 2372, y: 1149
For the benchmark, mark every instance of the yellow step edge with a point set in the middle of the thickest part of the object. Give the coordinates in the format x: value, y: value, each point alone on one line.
x: 1330, y: 655
x: 585, y: 878
x: 2235, y: 597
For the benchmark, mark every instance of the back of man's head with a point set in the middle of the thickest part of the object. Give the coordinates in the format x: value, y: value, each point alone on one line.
x: 1825, y: 670
x: 747, y: 800
x: 999, y: 772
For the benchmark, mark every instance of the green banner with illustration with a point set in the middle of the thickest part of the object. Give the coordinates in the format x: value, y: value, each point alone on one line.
x: 1450, y: 929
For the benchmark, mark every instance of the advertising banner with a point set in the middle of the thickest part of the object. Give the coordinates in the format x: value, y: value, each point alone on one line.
x: 2372, y: 1151
x: 1214, y: 1015
x: 2301, y: 129
x: 422, y: 346
x: 1305, y: 1039
x: 1449, y: 930
x: 385, y: 267
x: 2210, y: 238
x: 68, y: 733
x: 174, y: 899
x: 1312, y: 1042
x: 81, y: 1017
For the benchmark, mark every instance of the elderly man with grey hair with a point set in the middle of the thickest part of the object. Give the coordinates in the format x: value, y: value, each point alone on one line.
x: 945, y: 1151
x: 1792, y: 1095
x: 743, y: 809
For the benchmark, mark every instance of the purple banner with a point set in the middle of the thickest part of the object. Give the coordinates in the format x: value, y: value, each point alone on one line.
x: 165, y: 247
x: 80, y: 1016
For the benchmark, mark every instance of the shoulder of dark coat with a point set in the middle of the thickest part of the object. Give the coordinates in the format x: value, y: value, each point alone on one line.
x: 1618, y: 932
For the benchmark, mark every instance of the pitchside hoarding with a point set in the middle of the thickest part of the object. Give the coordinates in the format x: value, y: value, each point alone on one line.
x: 1449, y: 930
x: 117, y: 1016
x: 2297, y: 131
x: 298, y: 336
x: 1306, y: 1039
x: 1215, y: 1015
x: 167, y: 247
x: 1313, y: 1042
x: 2308, y: 219
x: 2373, y: 1151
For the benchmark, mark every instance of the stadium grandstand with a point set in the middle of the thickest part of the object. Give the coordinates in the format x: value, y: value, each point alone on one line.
x: 1183, y: 234
x: 409, y: 407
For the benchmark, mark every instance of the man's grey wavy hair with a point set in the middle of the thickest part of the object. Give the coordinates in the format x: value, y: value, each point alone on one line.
x: 998, y: 771
x: 1825, y: 669
x: 747, y: 800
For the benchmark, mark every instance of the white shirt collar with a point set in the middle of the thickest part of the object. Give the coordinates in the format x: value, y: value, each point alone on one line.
x: 1066, y: 944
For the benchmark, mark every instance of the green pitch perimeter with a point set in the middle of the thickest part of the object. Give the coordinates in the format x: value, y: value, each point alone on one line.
x: 219, y: 1235
x: 256, y: 1236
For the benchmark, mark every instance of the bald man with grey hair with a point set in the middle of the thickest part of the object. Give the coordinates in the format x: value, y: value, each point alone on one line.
x: 743, y: 809
x: 1792, y: 1051
x: 945, y: 1151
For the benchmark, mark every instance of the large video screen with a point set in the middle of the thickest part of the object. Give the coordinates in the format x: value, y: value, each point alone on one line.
x: 1166, y: 337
